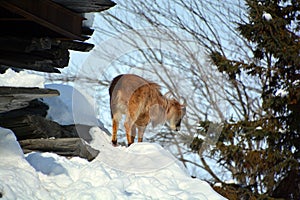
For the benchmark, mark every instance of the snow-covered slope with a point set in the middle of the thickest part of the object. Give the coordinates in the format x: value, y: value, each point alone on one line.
x: 141, y: 171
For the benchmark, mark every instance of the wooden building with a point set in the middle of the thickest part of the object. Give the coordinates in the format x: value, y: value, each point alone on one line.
x: 36, y: 35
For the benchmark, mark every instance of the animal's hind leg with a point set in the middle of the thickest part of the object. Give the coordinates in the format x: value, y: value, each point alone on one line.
x: 133, y: 133
x: 115, y: 126
x: 128, y: 127
x: 141, y: 131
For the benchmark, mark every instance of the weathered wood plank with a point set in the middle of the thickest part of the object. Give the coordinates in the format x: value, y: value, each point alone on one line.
x: 38, y: 61
x: 31, y: 126
x: 86, y: 6
x: 77, y: 46
x: 61, y: 20
x: 35, y: 107
x: 69, y: 147
x: 12, y: 98
x: 40, y: 54
x: 28, y: 91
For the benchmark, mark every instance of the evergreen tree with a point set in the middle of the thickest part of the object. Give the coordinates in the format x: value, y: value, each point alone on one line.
x: 265, y: 151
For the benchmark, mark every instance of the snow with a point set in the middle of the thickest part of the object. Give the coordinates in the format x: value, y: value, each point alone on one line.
x: 18, y: 180
x: 267, y: 16
x: 21, y: 79
x: 281, y: 93
x: 141, y: 171
x: 296, y: 83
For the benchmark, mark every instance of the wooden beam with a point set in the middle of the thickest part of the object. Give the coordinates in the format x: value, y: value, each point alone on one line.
x: 24, y: 61
x: 13, y: 19
x: 62, y: 146
x: 28, y: 91
x: 48, y: 14
x: 86, y: 6
x: 12, y: 98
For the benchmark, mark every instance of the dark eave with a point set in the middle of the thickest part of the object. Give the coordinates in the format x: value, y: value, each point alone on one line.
x: 38, y: 34
x: 86, y: 6
x: 47, y: 14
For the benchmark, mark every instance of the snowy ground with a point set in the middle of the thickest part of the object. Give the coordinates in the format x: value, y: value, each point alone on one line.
x: 141, y: 171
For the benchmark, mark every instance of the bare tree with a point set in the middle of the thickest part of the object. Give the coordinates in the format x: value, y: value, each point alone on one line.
x: 170, y: 42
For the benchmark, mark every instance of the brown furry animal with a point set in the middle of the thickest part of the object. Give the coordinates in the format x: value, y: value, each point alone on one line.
x: 141, y: 101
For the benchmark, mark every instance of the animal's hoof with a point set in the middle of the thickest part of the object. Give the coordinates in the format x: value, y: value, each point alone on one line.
x: 114, y: 143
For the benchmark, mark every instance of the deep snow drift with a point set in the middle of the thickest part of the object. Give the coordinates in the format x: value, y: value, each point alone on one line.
x: 141, y: 171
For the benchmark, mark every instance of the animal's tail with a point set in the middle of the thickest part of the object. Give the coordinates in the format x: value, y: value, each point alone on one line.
x: 112, y: 86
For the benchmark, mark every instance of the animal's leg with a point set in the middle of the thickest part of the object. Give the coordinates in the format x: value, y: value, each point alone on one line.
x: 133, y: 133
x: 115, y: 126
x: 141, y: 130
x: 128, y: 126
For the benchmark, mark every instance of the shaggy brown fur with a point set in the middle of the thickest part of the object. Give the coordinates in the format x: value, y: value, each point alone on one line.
x: 141, y: 101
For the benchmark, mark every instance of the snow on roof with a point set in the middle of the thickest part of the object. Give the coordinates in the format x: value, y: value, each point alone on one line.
x: 21, y: 79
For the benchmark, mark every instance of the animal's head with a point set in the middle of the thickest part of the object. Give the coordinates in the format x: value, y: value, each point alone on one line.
x: 175, y: 113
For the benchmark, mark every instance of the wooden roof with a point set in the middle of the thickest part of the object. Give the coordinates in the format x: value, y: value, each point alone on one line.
x: 37, y: 34
x: 86, y: 6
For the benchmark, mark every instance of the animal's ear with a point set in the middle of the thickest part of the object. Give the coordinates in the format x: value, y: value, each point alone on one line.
x: 183, y: 105
x: 157, y: 114
x: 183, y: 102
